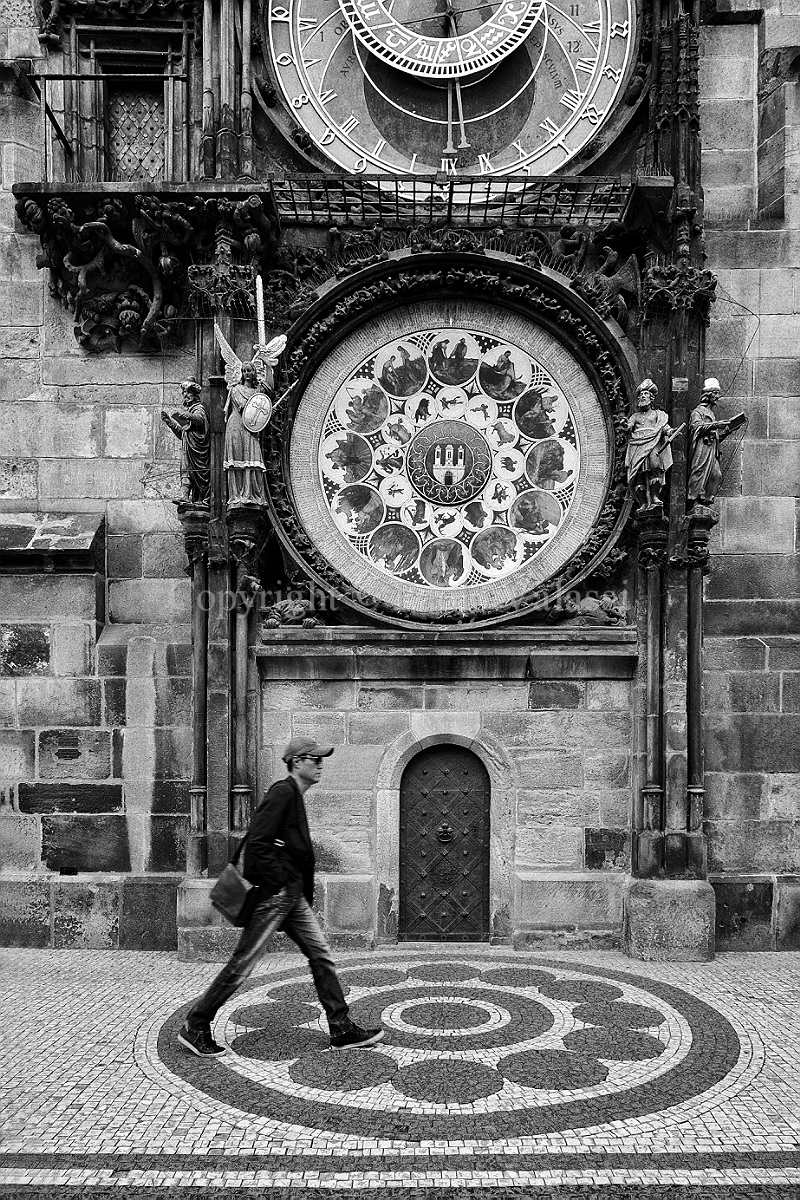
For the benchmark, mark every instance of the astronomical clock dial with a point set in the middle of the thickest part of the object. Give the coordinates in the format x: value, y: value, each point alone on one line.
x: 472, y: 89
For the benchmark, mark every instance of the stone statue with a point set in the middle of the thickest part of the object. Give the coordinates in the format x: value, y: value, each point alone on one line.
x: 649, y: 455
x: 190, y: 424
x: 247, y: 412
x: 705, y: 435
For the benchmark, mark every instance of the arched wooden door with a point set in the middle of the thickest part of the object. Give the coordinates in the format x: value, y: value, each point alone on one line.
x: 444, y: 847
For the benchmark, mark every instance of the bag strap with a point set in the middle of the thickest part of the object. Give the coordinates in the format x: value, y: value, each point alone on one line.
x: 239, y: 849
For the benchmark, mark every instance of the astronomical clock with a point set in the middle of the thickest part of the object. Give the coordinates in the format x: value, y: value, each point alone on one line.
x: 415, y: 87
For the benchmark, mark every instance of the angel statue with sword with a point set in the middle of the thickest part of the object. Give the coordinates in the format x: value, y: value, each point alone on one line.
x: 247, y: 412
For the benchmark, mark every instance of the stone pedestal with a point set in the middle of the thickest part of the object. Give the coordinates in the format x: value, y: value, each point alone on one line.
x: 668, y: 920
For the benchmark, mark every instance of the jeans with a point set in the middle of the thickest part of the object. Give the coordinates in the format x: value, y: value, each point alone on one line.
x: 290, y: 911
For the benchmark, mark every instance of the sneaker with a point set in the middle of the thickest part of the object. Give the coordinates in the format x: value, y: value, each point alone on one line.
x: 200, y: 1042
x: 356, y: 1038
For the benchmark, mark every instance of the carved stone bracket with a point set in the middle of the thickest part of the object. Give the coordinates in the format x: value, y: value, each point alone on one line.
x: 119, y: 257
x: 509, y: 284
x: 673, y: 286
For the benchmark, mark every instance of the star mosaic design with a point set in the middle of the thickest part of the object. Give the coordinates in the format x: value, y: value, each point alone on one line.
x: 470, y: 1051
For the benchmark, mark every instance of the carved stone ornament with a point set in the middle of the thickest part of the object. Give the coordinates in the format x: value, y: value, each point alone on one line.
x: 120, y: 260
x: 51, y: 13
x: 468, y: 461
x: 672, y: 286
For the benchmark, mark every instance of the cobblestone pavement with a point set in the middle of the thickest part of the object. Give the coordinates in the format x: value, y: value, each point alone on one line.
x: 572, y: 1074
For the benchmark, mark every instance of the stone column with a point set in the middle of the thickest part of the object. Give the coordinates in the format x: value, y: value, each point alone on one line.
x: 246, y: 533
x: 195, y: 520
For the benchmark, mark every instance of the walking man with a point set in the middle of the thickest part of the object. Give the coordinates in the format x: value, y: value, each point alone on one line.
x: 279, y: 859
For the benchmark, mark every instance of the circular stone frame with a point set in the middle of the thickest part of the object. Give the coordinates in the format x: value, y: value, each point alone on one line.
x: 406, y: 279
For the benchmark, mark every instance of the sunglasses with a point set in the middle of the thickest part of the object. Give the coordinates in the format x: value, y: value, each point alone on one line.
x: 316, y: 759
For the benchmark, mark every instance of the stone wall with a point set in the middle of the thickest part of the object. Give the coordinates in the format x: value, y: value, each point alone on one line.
x: 554, y: 729
x: 751, y: 172
x: 94, y: 684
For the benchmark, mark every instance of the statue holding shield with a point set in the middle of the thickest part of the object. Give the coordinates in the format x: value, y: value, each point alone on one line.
x: 248, y: 410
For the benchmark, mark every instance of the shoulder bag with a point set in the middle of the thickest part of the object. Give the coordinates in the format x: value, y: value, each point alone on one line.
x: 232, y: 895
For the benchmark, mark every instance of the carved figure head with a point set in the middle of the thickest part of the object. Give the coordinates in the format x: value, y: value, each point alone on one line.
x: 249, y: 375
x: 190, y: 390
x: 646, y: 393
x: 711, y: 391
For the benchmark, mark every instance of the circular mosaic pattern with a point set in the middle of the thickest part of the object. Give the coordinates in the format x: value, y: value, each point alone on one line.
x: 521, y: 1048
x: 472, y: 460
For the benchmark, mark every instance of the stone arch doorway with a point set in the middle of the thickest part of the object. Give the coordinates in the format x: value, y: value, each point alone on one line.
x: 445, y: 798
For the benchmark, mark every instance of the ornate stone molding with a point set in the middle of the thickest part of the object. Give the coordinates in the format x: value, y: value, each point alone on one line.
x: 119, y: 257
x: 51, y: 13
x: 509, y: 284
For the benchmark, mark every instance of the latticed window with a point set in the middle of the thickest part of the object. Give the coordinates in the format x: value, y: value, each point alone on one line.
x: 135, y: 133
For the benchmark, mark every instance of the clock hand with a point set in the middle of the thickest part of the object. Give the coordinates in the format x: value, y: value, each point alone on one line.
x: 463, y: 143
x: 438, y: 16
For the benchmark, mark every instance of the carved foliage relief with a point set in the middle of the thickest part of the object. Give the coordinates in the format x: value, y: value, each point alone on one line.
x: 461, y: 457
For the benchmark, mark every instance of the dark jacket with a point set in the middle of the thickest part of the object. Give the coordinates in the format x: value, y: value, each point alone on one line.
x: 281, y: 817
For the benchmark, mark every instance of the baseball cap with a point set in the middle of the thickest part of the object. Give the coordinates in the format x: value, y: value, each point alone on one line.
x: 299, y: 746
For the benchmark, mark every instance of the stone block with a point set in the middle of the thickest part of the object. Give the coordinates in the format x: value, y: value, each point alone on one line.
x: 753, y: 742
x: 608, y: 694
x: 753, y: 576
x: 211, y: 945
x: 86, y: 914
x: 553, y: 730
x: 114, y: 702
x: 38, y: 428
x: 324, y: 728
x: 173, y: 753
x: 19, y: 478
x: 72, y: 650
x: 163, y: 555
x: 173, y: 701
x: 171, y: 796
x: 615, y: 808
x: 575, y: 900
x: 742, y: 692
x: 734, y: 654
x: 20, y: 842
x: 787, y: 912
x: 63, y: 701
x: 350, y: 905
x: 75, y: 754
x: 352, y: 768
x: 668, y: 920
x: 777, y: 377
x: 70, y: 797
x: 607, y: 768
x: 8, y: 704
x: 43, y: 598
x: 386, y: 698
x: 743, y: 914
x: 550, y: 770
x: 128, y: 431
x: 477, y: 697
x: 784, y: 417
x: 71, y: 844
x: 734, y: 797
x: 367, y: 728
x: 136, y: 600
x: 555, y: 807
x: 440, y: 726
x: 607, y: 849
x: 753, y: 846
x: 167, y: 848
x: 17, y: 753
x: 24, y: 650
x: 783, y: 797
x: 778, y: 336
x: 771, y: 468
x: 749, y: 523
x: 555, y: 694
x: 19, y: 343
x: 726, y: 618
x: 73, y: 478
x: 124, y: 556
x: 727, y: 168
x: 549, y: 845
x: 142, y: 516
x: 25, y: 911
x: 194, y: 909
x: 148, y: 919
x: 727, y: 124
